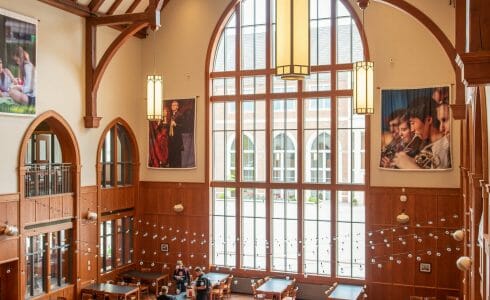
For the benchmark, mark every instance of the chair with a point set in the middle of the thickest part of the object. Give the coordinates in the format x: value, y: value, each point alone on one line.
x: 143, y: 289
x: 217, y: 292
x: 267, y: 278
x: 291, y: 294
x: 331, y: 289
x: 260, y: 282
x: 256, y: 294
x: 227, y: 289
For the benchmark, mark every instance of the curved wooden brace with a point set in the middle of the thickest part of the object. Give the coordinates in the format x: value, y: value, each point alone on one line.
x: 458, y: 108
x: 112, y: 49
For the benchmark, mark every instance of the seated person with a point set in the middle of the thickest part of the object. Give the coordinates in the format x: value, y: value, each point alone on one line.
x: 165, y: 296
x: 181, y: 277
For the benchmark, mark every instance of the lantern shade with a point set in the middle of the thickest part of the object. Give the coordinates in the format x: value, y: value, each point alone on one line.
x: 292, y: 38
x: 363, y: 87
x: 154, y: 92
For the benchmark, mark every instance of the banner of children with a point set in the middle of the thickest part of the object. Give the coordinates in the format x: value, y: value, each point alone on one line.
x: 416, y: 129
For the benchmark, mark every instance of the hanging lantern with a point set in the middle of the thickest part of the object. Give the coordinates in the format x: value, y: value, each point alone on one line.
x: 363, y: 87
x: 292, y: 39
x: 154, y: 92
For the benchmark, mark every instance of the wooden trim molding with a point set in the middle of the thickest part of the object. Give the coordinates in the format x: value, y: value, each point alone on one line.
x: 475, y: 67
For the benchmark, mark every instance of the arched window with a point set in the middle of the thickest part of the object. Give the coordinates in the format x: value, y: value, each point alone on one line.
x: 118, y: 174
x: 116, y: 158
x: 298, y: 174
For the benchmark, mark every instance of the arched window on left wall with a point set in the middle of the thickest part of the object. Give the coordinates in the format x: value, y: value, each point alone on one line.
x: 49, y: 180
x: 117, y: 173
x: 116, y: 158
x: 46, y: 173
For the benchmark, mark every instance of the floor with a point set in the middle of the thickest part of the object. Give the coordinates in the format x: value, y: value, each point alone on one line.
x: 233, y: 297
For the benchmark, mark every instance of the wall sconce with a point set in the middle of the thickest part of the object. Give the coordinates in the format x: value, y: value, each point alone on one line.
x: 458, y: 235
x: 402, y: 218
x: 91, y: 216
x: 463, y: 263
x: 9, y: 230
x: 292, y: 39
x: 178, y: 208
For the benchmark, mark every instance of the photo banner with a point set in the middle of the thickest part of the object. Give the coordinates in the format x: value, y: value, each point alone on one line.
x: 415, y: 129
x: 18, y: 37
x: 171, y: 140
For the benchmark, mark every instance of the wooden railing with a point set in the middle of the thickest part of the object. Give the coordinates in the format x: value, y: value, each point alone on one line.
x: 47, y: 179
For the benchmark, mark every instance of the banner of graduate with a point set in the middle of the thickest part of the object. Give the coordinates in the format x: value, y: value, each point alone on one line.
x: 171, y: 140
x: 17, y: 64
x: 416, y: 129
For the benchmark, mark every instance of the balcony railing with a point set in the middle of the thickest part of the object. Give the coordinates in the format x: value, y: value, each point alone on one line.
x: 47, y: 179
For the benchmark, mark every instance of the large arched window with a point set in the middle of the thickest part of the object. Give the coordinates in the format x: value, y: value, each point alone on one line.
x: 292, y: 200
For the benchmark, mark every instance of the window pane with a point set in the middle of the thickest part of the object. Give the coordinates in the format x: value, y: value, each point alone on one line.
x: 253, y: 141
x: 350, y: 234
x: 316, y: 232
x: 253, y: 229
x: 284, y: 230
x: 351, y: 149
x: 224, y: 235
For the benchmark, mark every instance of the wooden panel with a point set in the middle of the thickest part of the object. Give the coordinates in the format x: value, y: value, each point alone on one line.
x: 8, y: 280
x: 42, y: 209
x: 55, y: 207
x: 68, y: 209
x: 434, y: 215
x: 88, y: 235
x: 9, y: 248
x: 186, y: 233
x: 28, y: 208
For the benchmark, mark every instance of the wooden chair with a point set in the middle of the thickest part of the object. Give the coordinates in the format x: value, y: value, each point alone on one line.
x: 227, y: 289
x: 143, y: 289
x: 291, y: 293
x: 256, y: 294
x: 217, y: 292
x: 267, y: 278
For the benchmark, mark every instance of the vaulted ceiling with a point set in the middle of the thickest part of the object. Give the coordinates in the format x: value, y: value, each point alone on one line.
x: 100, y: 8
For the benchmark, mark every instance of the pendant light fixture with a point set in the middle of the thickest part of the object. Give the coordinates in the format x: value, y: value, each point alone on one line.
x: 154, y: 91
x: 292, y: 39
x: 363, y: 81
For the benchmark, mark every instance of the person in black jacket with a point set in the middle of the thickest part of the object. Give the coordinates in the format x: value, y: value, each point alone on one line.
x: 181, y: 276
x: 203, y: 285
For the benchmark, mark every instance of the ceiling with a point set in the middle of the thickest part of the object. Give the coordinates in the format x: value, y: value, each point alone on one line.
x: 100, y: 8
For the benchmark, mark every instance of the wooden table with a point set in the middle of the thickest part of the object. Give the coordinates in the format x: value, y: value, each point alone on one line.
x: 346, y: 292
x: 155, y: 277
x: 274, y: 287
x: 108, y: 289
x: 216, y: 278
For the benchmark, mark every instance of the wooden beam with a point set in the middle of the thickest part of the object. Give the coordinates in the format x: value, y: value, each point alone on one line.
x: 94, y: 5
x: 113, y: 7
x: 133, y: 6
x: 70, y: 6
x: 475, y: 67
x: 118, y: 19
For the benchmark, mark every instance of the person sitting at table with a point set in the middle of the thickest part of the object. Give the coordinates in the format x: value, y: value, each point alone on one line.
x: 181, y: 276
x: 203, y: 285
x: 164, y: 294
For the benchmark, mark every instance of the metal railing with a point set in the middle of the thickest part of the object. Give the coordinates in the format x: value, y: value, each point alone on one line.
x: 47, y: 179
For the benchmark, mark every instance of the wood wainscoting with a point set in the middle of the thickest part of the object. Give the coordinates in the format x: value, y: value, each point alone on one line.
x: 396, y: 271
x: 160, y: 224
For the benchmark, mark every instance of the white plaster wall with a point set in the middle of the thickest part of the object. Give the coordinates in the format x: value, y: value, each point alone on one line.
x: 60, y: 86
x: 182, y: 43
x: 418, y: 60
